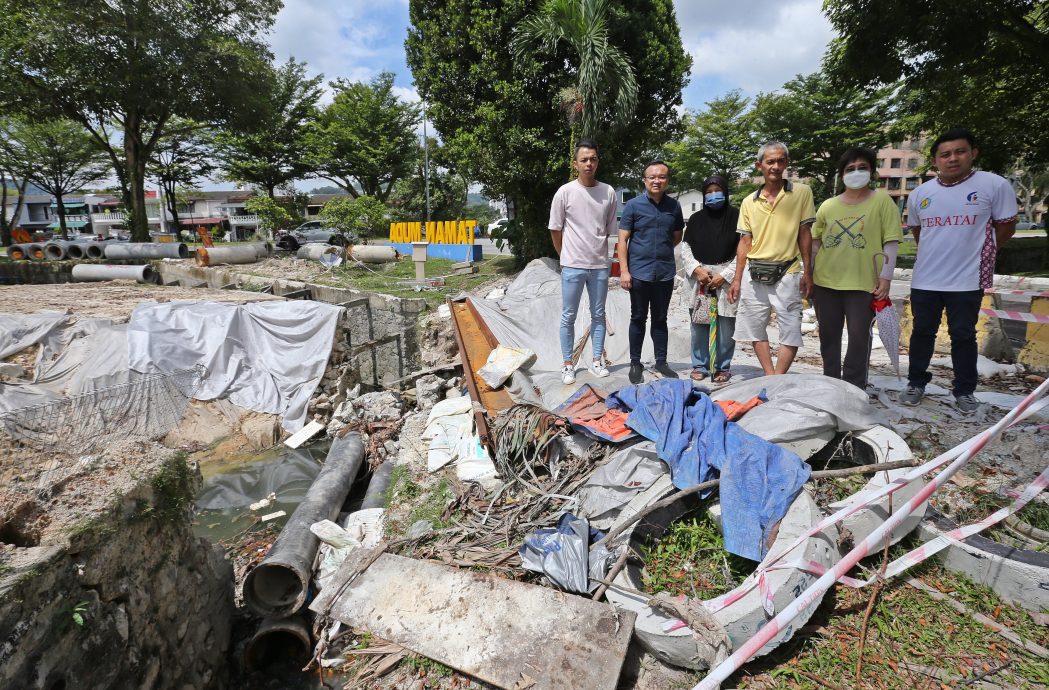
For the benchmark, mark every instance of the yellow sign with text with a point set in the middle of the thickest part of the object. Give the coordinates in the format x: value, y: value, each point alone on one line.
x: 437, y: 232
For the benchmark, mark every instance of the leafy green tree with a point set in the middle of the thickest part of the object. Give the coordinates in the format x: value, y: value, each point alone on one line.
x: 981, y: 64
x: 365, y: 139
x: 58, y: 156
x: 482, y: 213
x: 407, y: 202
x: 605, y: 92
x: 718, y: 140
x: 273, y: 216
x: 177, y: 162
x: 819, y: 118
x: 273, y: 152
x: 124, y: 69
x: 1032, y: 186
x: 498, y: 116
x: 364, y: 216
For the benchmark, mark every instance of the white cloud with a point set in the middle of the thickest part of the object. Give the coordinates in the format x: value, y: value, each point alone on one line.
x: 754, y: 45
x: 342, y: 38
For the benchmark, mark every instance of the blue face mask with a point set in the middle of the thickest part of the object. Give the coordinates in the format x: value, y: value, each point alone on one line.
x: 714, y: 200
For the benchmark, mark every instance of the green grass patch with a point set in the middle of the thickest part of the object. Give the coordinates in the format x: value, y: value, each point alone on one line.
x: 397, y: 278
x: 402, y: 486
x: 690, y: 559
x: 908, y: 630
x: 421, y: 664
x: 434, y: 505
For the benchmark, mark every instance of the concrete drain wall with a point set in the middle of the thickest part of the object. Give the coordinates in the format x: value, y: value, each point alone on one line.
x: 128, y: 599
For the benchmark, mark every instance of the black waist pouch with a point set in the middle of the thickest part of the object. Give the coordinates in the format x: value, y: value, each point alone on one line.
x: 768, y: 272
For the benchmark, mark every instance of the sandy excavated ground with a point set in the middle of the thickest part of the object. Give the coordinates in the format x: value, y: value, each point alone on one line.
x: 114, y: 299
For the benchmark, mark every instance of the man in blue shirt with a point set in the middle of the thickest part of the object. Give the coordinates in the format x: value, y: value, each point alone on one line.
x: 649, y: 229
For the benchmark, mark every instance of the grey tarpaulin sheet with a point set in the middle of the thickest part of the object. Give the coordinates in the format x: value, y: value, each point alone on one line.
x: 528, y: 316
x: 285, y: 472
x: 263, y: 356
x: 75, y: 357
x: 801, y: 406
x: 614, y: 484
x: 19, y: 331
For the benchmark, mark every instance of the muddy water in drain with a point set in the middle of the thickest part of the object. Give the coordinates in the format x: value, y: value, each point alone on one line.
x: 232, y: 484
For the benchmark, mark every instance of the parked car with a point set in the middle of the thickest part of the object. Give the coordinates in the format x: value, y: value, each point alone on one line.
x: 1027, y: 225
x: 497, y: 225
x: 310, y: 232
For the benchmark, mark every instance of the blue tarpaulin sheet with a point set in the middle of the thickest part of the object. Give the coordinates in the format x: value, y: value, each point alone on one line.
x: 759, y: 480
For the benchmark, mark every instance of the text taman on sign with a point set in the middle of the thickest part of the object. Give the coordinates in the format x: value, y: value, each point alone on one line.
x: 437, y: 232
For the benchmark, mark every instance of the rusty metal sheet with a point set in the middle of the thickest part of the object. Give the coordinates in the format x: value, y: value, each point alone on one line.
x: 475, y: 343
x: 500, y: 631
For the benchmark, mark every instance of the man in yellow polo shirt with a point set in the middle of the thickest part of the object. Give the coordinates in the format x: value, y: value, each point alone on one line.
x: 775, y: 224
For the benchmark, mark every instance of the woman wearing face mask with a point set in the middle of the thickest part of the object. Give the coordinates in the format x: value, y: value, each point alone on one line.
x: 708, y: 260
x: 850, y: 232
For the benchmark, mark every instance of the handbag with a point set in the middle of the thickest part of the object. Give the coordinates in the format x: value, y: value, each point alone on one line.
x: 701, y: 312
x: 768, y: 272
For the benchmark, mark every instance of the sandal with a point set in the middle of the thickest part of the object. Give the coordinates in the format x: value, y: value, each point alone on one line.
x: 698, y: 375
x: 722, y: 377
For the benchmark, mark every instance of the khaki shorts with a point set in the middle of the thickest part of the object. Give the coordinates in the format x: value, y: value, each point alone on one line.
x: 756, y: 303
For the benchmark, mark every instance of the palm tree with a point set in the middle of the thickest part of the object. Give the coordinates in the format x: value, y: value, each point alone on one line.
x: 605, y: 90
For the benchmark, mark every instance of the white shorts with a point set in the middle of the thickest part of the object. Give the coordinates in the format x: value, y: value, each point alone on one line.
x: 756, y: 302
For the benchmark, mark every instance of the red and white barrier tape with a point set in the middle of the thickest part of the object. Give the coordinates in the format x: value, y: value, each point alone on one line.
x: 859, y: 502
x: 1032, y: 293
x: 817, y: 589
x: 1015, y: 315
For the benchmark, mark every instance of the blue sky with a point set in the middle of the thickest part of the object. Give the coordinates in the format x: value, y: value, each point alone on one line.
x: 357, y: 39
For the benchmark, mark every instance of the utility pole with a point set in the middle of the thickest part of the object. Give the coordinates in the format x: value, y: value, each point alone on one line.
x: 426, y: 162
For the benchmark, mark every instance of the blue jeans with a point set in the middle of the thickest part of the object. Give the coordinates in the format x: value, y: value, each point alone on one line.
x: 572, y: 282
x: 726, y: 345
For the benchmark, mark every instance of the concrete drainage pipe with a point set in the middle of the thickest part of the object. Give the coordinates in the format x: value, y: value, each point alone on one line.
x: 278, y: 585
x: 214, y: 256
x: 373, y: 253
x: 93, y: 272
x: 18, y: 252
x: 1019, y: 576
x: 56, y: 251
x: 146, y: 250
x: 35, y: 252
x: 878, y: 445
x: 279, y: 640
x: 75, y: 250
x: 316, y: 251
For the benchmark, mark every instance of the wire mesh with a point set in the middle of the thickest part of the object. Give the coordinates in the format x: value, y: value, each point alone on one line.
x: 50, y: 440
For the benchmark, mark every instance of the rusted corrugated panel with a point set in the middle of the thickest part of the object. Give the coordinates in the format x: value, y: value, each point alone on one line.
x: 475, y: 343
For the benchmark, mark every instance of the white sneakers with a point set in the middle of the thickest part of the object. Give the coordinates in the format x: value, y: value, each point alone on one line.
x: 597, y: 368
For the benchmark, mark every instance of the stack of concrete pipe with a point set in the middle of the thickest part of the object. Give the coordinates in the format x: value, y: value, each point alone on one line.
x: 237, y: 254
x: 372, y: 253
x: 96, y: 272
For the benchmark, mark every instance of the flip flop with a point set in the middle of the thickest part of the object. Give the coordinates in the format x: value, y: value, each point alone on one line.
x: 721, y: 377
x: 698, y: 375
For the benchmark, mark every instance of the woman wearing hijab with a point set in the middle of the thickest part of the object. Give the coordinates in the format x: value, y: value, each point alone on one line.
x: 850, y: 232
x: 708, y: 259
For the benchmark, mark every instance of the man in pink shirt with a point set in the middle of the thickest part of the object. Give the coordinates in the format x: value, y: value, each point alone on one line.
x: 582, y: 216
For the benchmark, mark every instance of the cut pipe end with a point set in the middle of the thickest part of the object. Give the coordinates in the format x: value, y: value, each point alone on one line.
x: 275, y: 589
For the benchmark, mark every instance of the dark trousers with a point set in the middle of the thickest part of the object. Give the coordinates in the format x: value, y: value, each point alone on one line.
x: 649, y: 296
x: 963, y: 308
x: 834, y: 310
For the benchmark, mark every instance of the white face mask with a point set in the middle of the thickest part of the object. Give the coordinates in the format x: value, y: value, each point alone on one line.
x: 857, y: 179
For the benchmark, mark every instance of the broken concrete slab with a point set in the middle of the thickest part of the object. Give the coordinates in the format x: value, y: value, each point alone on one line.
x: 506, y: 633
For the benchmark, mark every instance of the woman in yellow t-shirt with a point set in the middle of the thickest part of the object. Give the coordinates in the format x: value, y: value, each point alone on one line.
x: 851, y: 229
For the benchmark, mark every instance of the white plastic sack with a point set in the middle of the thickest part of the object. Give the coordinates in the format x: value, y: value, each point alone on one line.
x: 502, y: 362
x: 473, y: 463
x: 449, y: 422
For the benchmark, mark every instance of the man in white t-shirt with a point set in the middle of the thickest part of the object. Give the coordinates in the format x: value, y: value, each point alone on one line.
x: 582, y: 216
x: 958, y: 220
